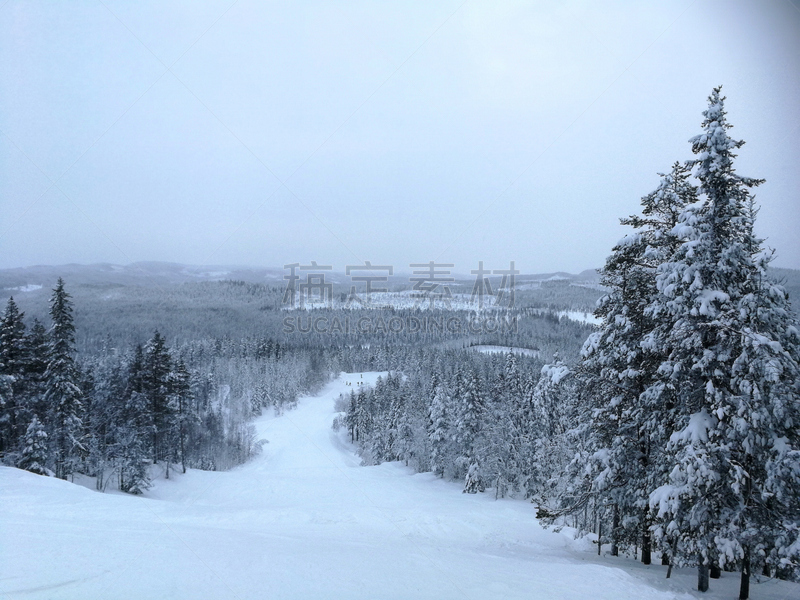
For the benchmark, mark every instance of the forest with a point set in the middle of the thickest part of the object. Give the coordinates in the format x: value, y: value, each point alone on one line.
x: 671, y: 430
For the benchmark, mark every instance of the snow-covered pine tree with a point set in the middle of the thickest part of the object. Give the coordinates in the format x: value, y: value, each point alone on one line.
x: 6, y: 407
x: 132, y: 433
x: 33, y: 457
x: 731, y: 361
x: 499, y: 465
x: 439, y: 431
x: 554, y: 402
x: 37, y: 345
x: 626, y: 426
x: 156, y: 387
x: 62, y: 394
x: 12, y: 364
x: 12, y: 340
x: 181, y: 397
x: 468, y: 433
x: 103, y: 386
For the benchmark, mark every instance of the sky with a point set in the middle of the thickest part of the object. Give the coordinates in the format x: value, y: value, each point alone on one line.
x: 264, y: 133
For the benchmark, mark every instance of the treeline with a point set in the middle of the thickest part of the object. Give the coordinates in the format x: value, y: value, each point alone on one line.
x: 677, y: 430
x: 487, y: 421
x: 114, y: 414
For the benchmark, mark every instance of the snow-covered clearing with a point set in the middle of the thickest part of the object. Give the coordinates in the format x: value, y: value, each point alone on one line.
x: 304, y: 520
x: 492, y: 349
x: 30, y: 287
x: 581, y: 317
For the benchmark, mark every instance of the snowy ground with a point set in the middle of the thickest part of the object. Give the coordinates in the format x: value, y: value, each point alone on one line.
x: 492, y: 349
x: 304, y: 520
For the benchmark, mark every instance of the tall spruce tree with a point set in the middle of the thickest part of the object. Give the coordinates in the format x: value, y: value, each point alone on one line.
x: 37, y: 348
x: 156, y: 387
x: 469, y: 433
x: 62, y: 393
x: 13, y: 360
x: 133, y: 431
x: 734, y: 477
x: 6, y: 409
x: 181, y: 392
x: 628, y: 428
x: 33, y: 456
x: 439, y: 431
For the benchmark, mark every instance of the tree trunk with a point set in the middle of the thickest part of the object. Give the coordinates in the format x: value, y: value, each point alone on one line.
x: 599, y: 537
x: 646, y: 549
x: 183, y: 456
x: 614, y: 528
x: 671, y: 557
x: 715, y: 572
x: 702, y: 577
x: 744, y: 587
x: 183, y: 441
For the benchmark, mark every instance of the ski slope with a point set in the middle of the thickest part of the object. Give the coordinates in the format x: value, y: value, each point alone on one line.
x: 303, y: 520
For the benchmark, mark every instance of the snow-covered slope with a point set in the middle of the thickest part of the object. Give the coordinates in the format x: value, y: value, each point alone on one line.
x: 304, y: 520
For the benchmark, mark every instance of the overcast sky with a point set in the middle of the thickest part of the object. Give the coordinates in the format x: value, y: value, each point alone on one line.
x: 256, y: 133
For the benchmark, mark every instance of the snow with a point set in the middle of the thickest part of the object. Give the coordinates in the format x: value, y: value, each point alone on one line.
x: 697, y: 430
x: 574, y: 315
x: 492, y: 349
x: 581, y: 317
x: 707, y: 298
x: 31, y: 287
x: 305, y: 520
x: 555, y: 372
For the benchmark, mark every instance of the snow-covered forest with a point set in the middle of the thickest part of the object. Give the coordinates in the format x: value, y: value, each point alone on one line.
x: 666, y: 428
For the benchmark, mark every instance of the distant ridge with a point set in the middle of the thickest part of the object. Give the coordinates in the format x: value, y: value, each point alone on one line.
x: 23, y: 280
x: 160, y: 273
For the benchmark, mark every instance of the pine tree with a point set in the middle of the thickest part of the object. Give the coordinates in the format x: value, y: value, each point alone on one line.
x: 181, y: 392
x: 37, y: 348
x: 439, y: 431
x: 133, y: 431
x: 468, y: 433
x: 156, y: 387
x: 13, y: 366
x: 12, y: 340
x: 34, y: 449
x: 62, y: 395
x: 734, y: 367
x: 628, y: 428
x: 554, y: 404
x: 6, y: 409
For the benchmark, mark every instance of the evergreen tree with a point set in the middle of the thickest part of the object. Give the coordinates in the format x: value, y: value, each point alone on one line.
x: 734, y: 368
x: 619, y: 362
x: 156, y: 387
x: 34, y: 449
x: 37, y: 348
x: 6, y: 408
x: 62, y: 395
x: 181, y: 401
x: 133, y: 431
x: 439, y: 431
x: 12, y: 366
x: 12, y: 340
x: 468, y: 433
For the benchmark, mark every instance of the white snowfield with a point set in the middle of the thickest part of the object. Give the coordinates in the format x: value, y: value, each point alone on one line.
x: 304, y: 520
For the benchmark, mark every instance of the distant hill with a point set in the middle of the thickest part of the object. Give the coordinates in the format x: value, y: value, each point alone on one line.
x: 166, y: 273
x: 39, y: 280
x: 140, y: 273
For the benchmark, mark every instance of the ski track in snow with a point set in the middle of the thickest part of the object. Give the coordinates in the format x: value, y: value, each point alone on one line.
x: 304, y: 520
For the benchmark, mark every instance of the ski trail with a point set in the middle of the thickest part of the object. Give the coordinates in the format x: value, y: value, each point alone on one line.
x: 301, y: 520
